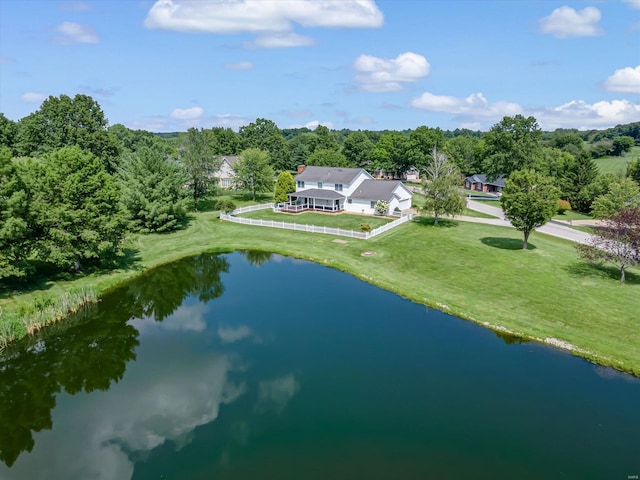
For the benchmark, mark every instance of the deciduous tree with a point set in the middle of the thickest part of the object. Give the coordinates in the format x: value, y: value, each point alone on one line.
x: 327, y: 158
x: 529, y: 200
x: 16, y: 225
x: 64, y: 121
x: 617, y: 241
x: 265, y: 135
x: 200, y: 163
x: 513, y: 144
x: 622, y: 145
x: 253, y: 172
x: 441, y: 187
x: 622, y: 193
x: 75, y: 203
x: 358, y: 149
x: 633, y: 171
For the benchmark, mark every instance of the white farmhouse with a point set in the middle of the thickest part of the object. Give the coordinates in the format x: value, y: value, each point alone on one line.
x: 333, y: 189
x: 225, y: 174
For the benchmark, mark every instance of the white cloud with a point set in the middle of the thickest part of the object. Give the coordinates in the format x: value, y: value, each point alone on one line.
x: 238, y: 66
x: 187, y: 113
x: 312, y: 125
x: 280, y: 40
x: 477, y: 112
x: 387, y: 75
x: 475, y: 106
x: 581, y: 115
x: 565, y: 22
x: 272, y: 20
x: 633, y: 3
x: 276, y: 394
x: 71, y: 32
x: 625, y: 80
x: 33, y: 97
x: 234, y: 334
x: 186, y: 391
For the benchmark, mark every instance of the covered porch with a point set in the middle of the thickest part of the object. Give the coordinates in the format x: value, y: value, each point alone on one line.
x: 314, y: 199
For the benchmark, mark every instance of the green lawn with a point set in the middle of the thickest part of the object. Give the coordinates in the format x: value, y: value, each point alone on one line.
x: 475, y: 271
x: 571, y: 215
x: 617, y: 164
x: 346, y: 221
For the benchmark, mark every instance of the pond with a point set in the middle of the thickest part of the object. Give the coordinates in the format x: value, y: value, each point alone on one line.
x: 256, y: 366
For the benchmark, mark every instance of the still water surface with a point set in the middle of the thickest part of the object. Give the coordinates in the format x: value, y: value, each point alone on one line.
x: 250, y: 366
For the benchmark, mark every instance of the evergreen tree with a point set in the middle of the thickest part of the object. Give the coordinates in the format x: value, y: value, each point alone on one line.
x: 153, y: 193
x: 284, y: 185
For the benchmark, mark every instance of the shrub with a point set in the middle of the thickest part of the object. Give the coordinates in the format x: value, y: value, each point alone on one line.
x: 365, y: 227
x: 381, y: 207
x: 563, y: 206
x: 225, y: 205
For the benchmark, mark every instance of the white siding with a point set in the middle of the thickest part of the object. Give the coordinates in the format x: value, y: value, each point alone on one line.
x: 359, y: 206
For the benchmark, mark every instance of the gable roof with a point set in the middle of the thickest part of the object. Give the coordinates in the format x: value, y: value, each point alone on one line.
x: 330, y: 174
x: 481, y: 178
x: 377, y: 189
x: 229, y: 159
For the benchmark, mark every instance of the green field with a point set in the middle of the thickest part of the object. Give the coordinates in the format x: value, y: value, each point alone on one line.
x: 617, y: 164
x: 475, y: 271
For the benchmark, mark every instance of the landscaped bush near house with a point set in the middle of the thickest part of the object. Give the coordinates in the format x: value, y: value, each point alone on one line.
x: 365, y: 227
x: 563, y: 206
x: 381, y: 207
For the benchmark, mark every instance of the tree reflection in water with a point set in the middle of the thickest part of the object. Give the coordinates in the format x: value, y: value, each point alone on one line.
x: 90, y: 350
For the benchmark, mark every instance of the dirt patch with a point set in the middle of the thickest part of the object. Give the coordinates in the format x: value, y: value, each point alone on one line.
x: 368, y: 253
x: 338, y: 240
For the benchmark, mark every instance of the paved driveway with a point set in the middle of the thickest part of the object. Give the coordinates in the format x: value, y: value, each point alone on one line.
x: 551, y: 228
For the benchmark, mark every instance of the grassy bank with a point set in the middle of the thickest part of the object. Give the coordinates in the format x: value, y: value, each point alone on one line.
x: 476, y: 271
x: 618, y: 165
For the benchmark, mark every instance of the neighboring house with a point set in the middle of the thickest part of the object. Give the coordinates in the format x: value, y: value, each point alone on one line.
x: 479, y: 183
x: 334, y: 189
x: 225, y: 174
x: 411, y: 175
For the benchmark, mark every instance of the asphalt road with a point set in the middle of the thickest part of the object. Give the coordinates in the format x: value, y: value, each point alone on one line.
x: 551, y: 228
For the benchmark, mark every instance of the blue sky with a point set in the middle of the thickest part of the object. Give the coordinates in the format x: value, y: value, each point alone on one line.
x: 169, y: 65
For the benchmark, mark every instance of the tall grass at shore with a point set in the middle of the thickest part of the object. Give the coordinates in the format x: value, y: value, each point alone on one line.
x: 42, y: 312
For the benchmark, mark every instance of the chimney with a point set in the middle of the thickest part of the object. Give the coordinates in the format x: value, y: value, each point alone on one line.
x: 301, y: 168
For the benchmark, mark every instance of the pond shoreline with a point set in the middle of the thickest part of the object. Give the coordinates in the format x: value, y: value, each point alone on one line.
x: 102, y: 284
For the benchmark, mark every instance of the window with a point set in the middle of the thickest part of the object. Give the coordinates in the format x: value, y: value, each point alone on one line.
x: 300, y: 184
x: 350, y: 200
x: 225, y: 183
x: 319, y: 184
x: 373, y: 204
x: 338, y: 187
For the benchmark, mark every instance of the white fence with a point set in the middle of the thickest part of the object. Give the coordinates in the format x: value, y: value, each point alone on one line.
x: 307, y: 228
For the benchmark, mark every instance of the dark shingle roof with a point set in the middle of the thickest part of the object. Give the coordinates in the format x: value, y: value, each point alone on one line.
x: 329, y: 174
x: 481, y: 178
x: 376, y: 190
x: 318, y: 193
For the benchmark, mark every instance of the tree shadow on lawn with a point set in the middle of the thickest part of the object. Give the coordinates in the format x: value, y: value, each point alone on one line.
x: 506, y: 243
x: 442, y: 222
x: 48, y: 275
x: 587, y: 269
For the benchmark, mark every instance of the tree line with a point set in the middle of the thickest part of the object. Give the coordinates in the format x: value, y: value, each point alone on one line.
x: 72, y: 187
